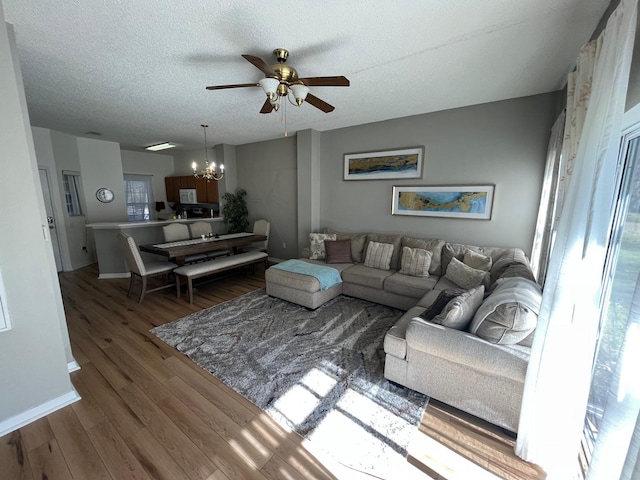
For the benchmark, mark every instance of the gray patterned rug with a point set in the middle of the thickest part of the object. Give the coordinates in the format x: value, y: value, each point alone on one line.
x: 319, y: 373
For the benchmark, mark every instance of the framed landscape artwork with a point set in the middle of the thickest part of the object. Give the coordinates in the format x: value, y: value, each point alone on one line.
x: 454, y: 201
x: 385, y: 165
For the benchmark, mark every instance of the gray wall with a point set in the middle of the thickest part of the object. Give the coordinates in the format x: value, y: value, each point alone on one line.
x: 34, y: 354
x: 267, y: 170
x: 502, y: 144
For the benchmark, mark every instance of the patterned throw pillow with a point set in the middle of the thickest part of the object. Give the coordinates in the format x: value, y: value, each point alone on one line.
x: 378, y: 255
x: 317, y: 244
x: 477, y: 260
x: 415, y: 262
x: 466, y: 277
x: 459, y: 312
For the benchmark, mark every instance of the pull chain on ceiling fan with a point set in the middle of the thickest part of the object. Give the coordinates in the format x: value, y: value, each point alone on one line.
x: 282, y: 81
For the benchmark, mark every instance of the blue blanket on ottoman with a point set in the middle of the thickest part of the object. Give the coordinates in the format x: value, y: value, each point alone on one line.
x: 327, y: 276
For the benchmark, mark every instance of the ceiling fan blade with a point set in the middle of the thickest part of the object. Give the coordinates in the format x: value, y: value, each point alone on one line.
x: 261, y: 64
x: 267, y: 107
x: 237, y: 85
x: 320, y: 104
x: 339, y: 81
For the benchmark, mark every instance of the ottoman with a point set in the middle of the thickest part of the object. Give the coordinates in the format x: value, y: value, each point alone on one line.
x: 301, y: 289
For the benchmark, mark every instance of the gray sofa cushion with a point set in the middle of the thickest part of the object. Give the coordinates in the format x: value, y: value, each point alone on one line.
x: 394, y: 341
x: 410, y: 286
x: 366, y: 276
x: 510, y: 313
x: 434, y: 246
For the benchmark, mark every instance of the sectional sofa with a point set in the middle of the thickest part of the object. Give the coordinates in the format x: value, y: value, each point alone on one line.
x: 470, y: 313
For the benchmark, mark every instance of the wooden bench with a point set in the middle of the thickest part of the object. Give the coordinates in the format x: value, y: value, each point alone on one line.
x: 197, y: 270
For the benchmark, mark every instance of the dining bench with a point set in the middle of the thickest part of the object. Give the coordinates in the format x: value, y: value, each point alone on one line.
x: 198, y: 270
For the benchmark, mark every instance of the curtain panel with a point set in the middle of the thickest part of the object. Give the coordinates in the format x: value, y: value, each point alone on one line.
x: 558, y: 376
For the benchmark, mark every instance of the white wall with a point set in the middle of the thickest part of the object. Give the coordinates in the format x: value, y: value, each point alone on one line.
x: 34, y: 353
x: 156, y: 165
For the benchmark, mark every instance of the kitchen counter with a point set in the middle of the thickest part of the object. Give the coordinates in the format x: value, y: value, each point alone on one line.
x: 111, y: 262
x: 150, y: 223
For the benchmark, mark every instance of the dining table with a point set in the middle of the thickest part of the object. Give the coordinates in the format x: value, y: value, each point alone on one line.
x: 178, y: 250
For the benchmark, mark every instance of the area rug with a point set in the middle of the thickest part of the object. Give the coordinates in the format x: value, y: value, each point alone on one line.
x: 319, y: 373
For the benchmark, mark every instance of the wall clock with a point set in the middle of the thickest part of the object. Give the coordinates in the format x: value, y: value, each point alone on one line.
x: 104, y: 195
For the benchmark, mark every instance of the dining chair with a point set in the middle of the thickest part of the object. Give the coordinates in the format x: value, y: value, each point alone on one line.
x: 260, y: 227
x: 179, y: 231
x: 139, y: 268
x: 204, y: 228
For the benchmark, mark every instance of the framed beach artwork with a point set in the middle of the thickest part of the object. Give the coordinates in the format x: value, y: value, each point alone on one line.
x: 450, y: 201
x: 385, y: 165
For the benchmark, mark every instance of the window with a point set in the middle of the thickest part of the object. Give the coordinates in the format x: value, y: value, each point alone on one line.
x: 72, y: 193
x: 139, y: 197
x: 611, y: 375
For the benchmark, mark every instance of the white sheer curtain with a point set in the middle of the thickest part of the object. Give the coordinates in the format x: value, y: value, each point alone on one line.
x: 557, y: 383
x: 545, y: 225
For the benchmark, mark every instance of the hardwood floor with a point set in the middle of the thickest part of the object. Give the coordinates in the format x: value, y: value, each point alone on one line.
x: 148, y: 412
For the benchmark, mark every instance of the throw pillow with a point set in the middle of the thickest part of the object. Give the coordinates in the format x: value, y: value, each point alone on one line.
x: 440, y: 302
x: 317, y: 244
x: 510, y: 314
x: 378, y: 255
x: 477, y: 260
x: 338, y: 251
x: 466, y: 277
x: 415, y: 262
x: 459, y: 312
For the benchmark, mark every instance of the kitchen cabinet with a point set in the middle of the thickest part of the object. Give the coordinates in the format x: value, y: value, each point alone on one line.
x: 207, y: 192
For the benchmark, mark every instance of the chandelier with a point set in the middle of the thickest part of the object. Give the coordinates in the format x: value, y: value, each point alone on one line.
x: 210, y: 171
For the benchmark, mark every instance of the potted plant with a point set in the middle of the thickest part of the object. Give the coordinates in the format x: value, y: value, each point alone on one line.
x: 234, y: 210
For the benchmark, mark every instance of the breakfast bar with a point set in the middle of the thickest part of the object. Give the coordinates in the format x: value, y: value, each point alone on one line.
x: 111, y: 262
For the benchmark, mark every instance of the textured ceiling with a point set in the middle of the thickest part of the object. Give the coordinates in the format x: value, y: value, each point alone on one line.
x: 136, y: 71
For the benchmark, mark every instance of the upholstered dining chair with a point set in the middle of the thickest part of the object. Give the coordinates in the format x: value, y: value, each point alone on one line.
x: 204, y: 228
x: 179, y: 231
x: 139, y: 268
x: 260, y: 227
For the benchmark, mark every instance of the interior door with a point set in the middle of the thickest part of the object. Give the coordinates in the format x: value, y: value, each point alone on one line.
x: 48, y: 205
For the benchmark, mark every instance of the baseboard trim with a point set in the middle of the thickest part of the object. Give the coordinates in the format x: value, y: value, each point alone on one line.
x: 107, y: 276
x: 275, y: 260
x: 73, y: 366
x: 17, y: 421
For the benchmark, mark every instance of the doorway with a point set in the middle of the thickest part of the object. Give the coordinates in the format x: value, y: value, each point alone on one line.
x: 51, y: 220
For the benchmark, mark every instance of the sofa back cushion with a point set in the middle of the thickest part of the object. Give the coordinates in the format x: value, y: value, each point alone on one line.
x: 434, y: 246
x: 510, y: 314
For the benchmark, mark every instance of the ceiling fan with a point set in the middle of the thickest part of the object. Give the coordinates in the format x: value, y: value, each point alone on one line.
x: 282, y: 81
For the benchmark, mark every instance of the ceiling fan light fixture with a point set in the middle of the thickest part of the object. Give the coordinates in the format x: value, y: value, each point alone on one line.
x: 299, y: 92
x: 270, y: 87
